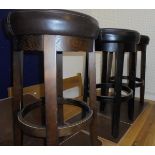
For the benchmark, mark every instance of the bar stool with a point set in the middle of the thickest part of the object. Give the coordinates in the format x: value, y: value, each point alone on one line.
x: 116, y: 41
x: 51, y: 32
x: 140, y: 82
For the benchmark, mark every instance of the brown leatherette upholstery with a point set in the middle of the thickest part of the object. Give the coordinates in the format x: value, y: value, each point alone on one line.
x: 52, y: 22
x: 118, y: 35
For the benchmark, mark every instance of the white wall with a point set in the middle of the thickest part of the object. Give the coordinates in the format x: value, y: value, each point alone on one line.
x: 140, y: 20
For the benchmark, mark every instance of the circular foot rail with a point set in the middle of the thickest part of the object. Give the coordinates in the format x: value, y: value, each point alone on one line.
x: 64, y: 130
x: 138, y: 81
x: 128, y: 92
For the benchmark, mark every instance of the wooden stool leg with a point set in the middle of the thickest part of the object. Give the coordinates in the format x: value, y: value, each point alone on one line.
x: 17, y: 94
x: 118, y: 87
x: 103, y: 78
x: 92, y: 97
x: 143, y: 66
x: 86, y: 79
x: 132, y: 76
x: 60, y: 88
x: 110, y: 58
x: 50, y: 77
x: 105, y: 75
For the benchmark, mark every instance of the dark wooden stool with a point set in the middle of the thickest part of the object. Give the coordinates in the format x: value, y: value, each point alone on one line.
x: 140, y: 82
x: 51, y: 32
x: 116, y: 41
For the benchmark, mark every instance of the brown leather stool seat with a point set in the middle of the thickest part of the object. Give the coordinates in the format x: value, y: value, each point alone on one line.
x: 115, y: 35
x: 118, y: 35
x: 55, y: 22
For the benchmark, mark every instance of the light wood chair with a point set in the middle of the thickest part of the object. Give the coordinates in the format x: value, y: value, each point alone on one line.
x: 37, y: 91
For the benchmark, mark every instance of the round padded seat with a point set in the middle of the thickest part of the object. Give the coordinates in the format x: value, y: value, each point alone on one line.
x: 144, y: 40
x: 118, y: 35
x: 52, y: 22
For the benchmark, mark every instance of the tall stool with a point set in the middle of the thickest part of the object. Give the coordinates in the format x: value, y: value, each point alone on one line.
x: 144, y: 41
x: 51, y: 32
x: 139, y: 82
x: 116, y: 41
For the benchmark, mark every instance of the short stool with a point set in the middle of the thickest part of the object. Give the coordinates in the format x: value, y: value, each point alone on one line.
x: 51, y: 32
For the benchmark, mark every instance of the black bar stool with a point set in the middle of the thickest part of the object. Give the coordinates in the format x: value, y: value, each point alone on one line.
x: 51, y: 32
x: 116, y: 41
x: 140, y: 82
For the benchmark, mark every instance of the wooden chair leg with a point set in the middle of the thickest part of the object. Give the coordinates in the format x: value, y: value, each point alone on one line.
x: 50, y: 77
x: 118, y: 87
x: 132, y: 76
x: 17, y: 94
x: 143, y: 67
x: 92, y: 97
